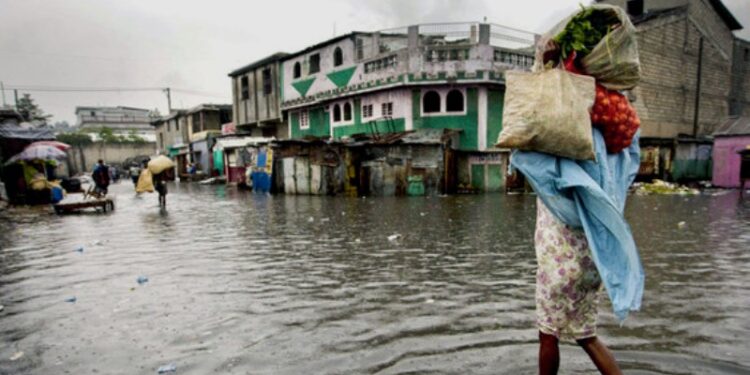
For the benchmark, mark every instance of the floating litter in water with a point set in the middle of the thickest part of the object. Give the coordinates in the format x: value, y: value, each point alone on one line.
x: 422, y: 214
x: 681, y: 224
x: 96, y: 242
x: 166, y: 368
x: 79, y: 249
x: 325, y: 219
x: 2, y: 307
x: 357, y: 240
x: 71, y: 299
x: 429, y: 300
x: 343, y: 213
x: 310, y: 219
x: 142, y: 280
x: 394, y: 237
x: 16, y: 356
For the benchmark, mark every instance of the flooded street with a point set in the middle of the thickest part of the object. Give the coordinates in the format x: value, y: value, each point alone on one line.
x: 247, y: 284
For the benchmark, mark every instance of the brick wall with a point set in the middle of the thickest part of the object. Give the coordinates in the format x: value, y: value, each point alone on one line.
x: 740, y: 94
x: 669, y: 48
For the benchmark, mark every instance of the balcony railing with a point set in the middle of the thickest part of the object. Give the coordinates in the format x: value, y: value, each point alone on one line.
x: 510, y: 38
x: 449, y: 33
x: 114, y: 119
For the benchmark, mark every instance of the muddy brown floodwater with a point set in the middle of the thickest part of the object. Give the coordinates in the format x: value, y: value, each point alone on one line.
x: 247, y: 284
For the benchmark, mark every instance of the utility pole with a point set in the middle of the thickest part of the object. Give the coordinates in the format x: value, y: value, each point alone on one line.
x: 698, y: 89
x: 15, y: 95
x: 169, y: 100
x: 2, y: 88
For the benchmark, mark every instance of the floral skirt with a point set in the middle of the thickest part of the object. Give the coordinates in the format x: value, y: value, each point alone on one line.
x: 567, y: 282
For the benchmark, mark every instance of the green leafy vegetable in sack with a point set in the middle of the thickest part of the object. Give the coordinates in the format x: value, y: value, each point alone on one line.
x: 585, y: 30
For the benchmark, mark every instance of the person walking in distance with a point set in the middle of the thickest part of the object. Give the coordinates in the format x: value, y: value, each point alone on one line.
x: 101, y: 177
x: 160, y: 185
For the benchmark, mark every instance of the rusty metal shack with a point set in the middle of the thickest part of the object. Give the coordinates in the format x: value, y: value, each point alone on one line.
x: 419, y: 162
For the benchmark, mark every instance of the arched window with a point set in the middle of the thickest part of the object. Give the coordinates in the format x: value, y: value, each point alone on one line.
x: 455, y: 101
x: 338, y: 57
x: 347, y: 111
x: 297, y: 70
x: 431, y: 102
x: 336, y: 113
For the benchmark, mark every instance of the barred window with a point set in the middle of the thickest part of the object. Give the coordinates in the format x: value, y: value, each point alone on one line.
x: 386, y: 109
x: 304, y: 120
x: 367, y: 111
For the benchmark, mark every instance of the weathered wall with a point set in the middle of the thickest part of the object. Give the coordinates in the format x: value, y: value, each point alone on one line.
x: 740, y: 96
x: 726, y: 161
x: 259, y: 106
x: 669, y: 48
x: 467, y: 121
x: 692, y: 162
x: 484, y: 172
x: 321, y: 118
x: 110, y: 153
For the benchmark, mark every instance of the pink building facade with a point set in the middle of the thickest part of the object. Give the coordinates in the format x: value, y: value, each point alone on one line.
x: 726, y: 160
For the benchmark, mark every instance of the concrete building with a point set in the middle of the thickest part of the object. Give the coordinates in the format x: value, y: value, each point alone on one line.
x: 692, y: 80
x: 204, y: 124
x: 171, y: 130
x: 122, y: 120
x: 256, y: 93
x: 436, y: 76
x: 207, y: 118
x: 177, y: 133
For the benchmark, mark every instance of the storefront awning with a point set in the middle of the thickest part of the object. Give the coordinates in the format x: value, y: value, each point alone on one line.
x: 237, y: 142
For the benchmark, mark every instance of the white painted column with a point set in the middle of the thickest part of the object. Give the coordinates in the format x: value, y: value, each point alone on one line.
x: 407, y: 105
x: 482, y: 119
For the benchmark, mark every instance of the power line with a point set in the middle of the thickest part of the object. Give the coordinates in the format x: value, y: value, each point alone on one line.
x: 38, y: 88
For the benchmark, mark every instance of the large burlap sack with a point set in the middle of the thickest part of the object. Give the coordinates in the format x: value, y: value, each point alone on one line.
x: 548, y: 112
x: 160, y: 164
x: 614, y: 61
x: 145, y: 182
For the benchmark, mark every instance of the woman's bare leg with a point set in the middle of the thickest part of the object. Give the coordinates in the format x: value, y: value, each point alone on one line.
x: 600, y: 355
x: 549, y: 354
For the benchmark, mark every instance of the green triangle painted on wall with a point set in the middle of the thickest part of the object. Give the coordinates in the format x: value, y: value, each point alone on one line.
x: 342, y: 77
x: 303, y: 86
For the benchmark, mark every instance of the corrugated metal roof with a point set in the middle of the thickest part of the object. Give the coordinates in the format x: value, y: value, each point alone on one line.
x: 734, y: 126
x: 25, y: 131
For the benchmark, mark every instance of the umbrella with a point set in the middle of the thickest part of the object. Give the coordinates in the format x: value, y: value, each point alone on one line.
x: 40, y: 152
x: 58, y: 145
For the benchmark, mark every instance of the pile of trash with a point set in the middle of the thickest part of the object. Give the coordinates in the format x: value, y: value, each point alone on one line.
x: 663, y: 188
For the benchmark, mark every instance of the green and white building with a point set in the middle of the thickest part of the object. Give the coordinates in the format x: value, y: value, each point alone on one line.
x: 434, y: 76
x: 416, y: 79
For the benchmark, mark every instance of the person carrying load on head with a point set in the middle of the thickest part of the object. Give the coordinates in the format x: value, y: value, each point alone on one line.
x: 576, y: 141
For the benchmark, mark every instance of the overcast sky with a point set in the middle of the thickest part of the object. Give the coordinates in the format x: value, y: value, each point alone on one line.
x: 192, y: 45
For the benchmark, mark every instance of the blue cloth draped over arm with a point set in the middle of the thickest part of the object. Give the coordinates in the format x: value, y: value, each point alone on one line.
x: 591, y: 195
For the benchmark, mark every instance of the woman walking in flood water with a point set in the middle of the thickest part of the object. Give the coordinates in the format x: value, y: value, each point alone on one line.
x: 582, y: 241
x: 567, y: 294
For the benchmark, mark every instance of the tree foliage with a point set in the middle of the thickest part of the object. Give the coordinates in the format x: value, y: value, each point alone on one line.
x: 106, y: 135
x: 30, y: 110
x: 75, y: 138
